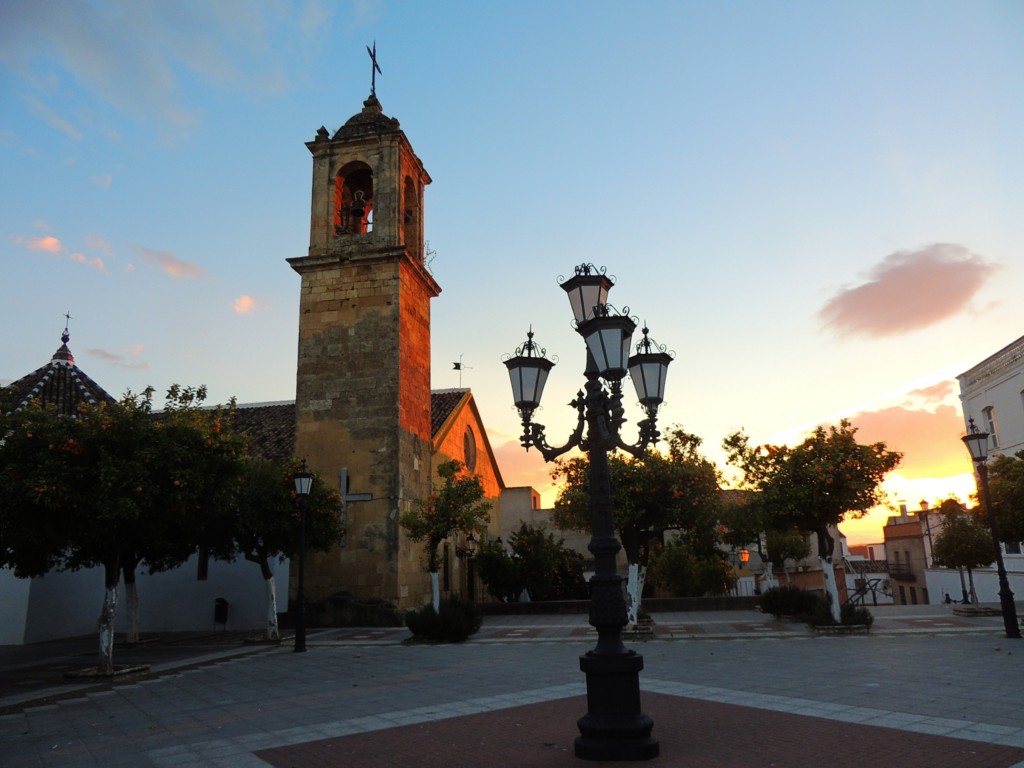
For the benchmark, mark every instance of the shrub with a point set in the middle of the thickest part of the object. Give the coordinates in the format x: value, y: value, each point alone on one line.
x: 790, y: 601
x: 456, y: 621
x: 855, y: 615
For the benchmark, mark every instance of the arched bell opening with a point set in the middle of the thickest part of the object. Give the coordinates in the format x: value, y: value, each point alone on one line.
x: 353, y: 199
x: 411, y: 218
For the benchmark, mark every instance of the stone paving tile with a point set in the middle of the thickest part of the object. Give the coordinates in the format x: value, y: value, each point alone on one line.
x: 690, y: 732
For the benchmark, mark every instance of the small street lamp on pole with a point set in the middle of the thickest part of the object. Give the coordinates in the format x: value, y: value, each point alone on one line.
x: 977, y: 444
x: 303, y: 483
x: 614, y: 728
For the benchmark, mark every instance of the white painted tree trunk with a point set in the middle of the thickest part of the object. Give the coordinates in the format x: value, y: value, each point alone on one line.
x: 831, y: 588
x: 105, y: 663
x: 974, y: 595
x: 131, y: 601
x: 273, y: 632
x: 435, y: 591
x: 634, y: 593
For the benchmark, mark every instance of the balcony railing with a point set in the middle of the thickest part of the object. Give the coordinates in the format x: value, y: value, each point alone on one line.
x: 901, y: 572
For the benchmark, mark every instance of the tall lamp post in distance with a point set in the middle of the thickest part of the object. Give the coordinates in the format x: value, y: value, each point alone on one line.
x: 303, y: 483
x: 614, y: 728
x: 977, y: 444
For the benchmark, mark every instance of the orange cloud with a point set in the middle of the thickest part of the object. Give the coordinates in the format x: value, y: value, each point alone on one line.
x: 95, y: 262
x: 167, y: 262
x: 936, y: 393
x: 929, y: 440
x: 244, y: 305
x: 908, y: 290
x: 47, y: 243
x: 521, y: 467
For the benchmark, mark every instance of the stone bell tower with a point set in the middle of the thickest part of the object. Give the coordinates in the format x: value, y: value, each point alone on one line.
x: 363, y: 382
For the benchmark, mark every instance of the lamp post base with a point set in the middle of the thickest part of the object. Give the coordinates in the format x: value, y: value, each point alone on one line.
x: 614, y: 728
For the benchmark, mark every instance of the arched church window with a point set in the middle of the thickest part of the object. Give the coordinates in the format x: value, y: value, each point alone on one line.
x: 353, y: 199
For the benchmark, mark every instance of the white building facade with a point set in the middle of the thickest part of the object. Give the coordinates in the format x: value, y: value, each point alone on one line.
x: 992, y: 394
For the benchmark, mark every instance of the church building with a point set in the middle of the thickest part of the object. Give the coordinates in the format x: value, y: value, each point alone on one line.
x: 364, y: 417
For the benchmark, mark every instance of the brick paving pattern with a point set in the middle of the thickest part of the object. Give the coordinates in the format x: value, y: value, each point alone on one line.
x: 725, y: 689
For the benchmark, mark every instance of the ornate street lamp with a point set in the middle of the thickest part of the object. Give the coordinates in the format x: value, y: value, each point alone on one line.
x: 977, y: 444
x: 303, y: 483
x: 614, y: 728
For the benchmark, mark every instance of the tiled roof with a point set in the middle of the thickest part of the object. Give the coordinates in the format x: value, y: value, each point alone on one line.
x: 270, y: 427
x: 442, y: 404
x: 59, y: 383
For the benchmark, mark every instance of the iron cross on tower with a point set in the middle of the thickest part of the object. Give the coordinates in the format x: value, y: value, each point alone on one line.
x: 375, y: 69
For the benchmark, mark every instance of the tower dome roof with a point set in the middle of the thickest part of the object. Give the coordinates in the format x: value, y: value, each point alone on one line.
x: 371, y: 120
x: 59, y: 383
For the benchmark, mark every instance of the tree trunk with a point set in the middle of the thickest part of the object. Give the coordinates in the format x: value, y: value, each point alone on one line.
x: 634, y: 593
x: 963, y: 586
x: 105, y: 661
x: 826, y: 545
x: 131, y: 601
x: 273, y: 633
x: 435, y: 591
x: 262, y: 560
x: 970, y: 580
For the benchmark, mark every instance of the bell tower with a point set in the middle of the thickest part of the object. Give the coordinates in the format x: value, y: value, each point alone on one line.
x: 363, y: 380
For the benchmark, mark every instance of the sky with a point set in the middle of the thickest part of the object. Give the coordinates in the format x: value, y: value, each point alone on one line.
x: 815, y: 206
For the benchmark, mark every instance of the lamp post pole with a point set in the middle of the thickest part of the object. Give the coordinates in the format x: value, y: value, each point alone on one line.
x: 614, y: 728
x: 303, y: 482
x: 977, y: 444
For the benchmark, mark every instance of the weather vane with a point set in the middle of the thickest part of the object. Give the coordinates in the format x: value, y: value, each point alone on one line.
x: 375, y: 69
x: 67, y: 321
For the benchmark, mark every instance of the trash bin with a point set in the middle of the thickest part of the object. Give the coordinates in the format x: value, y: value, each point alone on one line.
x: 220, y: 612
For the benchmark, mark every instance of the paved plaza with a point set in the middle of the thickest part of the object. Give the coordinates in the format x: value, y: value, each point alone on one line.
x: 727, y: 689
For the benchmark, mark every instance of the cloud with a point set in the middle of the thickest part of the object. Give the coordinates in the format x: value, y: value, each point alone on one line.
x: 167, y: 262
x: 52, y: 118
x: 127, y: 359
x: 95, y: 262
x: 907, y: 291
x: 48, y: 243
x: 928, y: 439
x: 936, y: 393
x: 99, y: 243
x: 134, y: 55
x: 520, y: 467
x: 245, y: 305
x: 103, y: 182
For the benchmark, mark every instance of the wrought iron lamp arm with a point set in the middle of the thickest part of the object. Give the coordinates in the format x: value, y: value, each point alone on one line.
x: 533, y: 434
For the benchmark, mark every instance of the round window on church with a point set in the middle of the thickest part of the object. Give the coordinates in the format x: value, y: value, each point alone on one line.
x: 469, y: 449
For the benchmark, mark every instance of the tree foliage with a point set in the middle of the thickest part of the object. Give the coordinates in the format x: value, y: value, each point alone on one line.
x: 964, y: 541
x: 264, y: 521
x: 658, y: 492
x: 455, y: 506
x: 113, y: 487
x: 1006, y: 492
x: 817, y: 484
x: 676, y: 567
x: 538, y: 562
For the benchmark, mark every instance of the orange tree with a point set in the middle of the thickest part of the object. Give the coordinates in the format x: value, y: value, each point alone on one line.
x: 457, y: 505
x: 112, y: 487
x: 815, y: 485
x: 264, y: 523
x: 1006, y: 492
x: 964, y: 542
x: 676, y: 490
